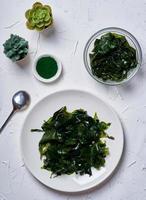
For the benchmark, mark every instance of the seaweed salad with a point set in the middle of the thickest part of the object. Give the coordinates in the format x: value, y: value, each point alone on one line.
x: 73, y: 142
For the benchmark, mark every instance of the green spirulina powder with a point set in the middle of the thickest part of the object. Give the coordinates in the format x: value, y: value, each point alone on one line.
x: 47, y: 67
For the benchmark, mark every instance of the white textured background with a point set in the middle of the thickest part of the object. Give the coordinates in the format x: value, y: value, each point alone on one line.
x: 75, y: 22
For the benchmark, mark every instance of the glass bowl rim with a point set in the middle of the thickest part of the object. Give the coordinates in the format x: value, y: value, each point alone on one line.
x: 123, y: 32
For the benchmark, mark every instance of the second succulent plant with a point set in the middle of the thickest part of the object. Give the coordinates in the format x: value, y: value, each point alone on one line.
x: 16, y: 47
x: 39, y: 17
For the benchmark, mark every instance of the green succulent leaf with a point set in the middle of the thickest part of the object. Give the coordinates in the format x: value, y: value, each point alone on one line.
x: 10, y: 53
x: 47, y: 18
x: 39, y: 28
x: 29, y: 25
x: 48, y: 23
x: 40, y: 25
x: 27, y: 14
x: 37, y: 5
x: 48, y: 8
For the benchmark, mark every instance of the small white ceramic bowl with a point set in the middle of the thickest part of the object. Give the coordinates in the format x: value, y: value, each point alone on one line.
x: 56, y: 76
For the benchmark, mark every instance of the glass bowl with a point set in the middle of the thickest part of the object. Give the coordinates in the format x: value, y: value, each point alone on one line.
x: 132, y: 41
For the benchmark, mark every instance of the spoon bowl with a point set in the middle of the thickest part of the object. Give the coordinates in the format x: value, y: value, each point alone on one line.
x: 20, y: 101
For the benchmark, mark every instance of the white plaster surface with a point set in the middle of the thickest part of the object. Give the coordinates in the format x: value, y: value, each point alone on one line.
x: 75, y: 21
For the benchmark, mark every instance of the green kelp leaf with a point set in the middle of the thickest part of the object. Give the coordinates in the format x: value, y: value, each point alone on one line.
x: 50, y: 136
x: 103, y: 126
x: 73, y: 142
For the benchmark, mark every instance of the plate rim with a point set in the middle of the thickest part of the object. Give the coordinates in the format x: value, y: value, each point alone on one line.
x: 87, y: 188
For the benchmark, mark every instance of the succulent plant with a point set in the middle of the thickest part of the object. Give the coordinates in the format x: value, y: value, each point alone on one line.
x: 15, y: 47
x: 39, y: 17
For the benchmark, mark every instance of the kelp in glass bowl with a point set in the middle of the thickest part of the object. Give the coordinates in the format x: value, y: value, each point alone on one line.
x: 112, y: 56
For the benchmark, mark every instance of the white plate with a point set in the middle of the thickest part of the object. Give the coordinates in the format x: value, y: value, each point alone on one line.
x: 73, y: 99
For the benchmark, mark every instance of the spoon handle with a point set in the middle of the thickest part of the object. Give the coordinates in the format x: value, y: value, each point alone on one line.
x: 7, y: 120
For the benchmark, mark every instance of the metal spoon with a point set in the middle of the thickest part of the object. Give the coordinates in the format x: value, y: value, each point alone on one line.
x: 20, y: 101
